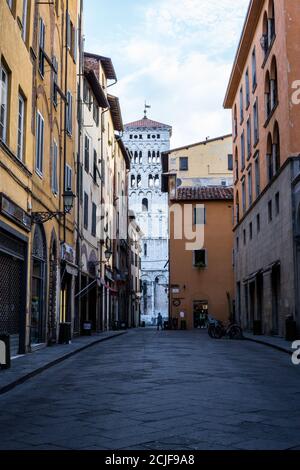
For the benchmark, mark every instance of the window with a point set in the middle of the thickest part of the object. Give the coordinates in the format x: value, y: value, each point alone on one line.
x: 270, y: 211
x: 69, y: 113
x: 39, y: 151
x: 258, y: 223
x: 86, y: 98
x: 158, y: 157
x: 140, y: 158
x: 21, y: 128
x: 68, y: 178
x: 236, y: 165
x: 86, y: 211
x: 200, y: 258
x: 235, y: 128
x: 141, y: 137
x: 199, y: 216
x: 244, y: 237
x: 257, y: 176
x: 183, y: 164
x: 96, y: 112
x: 150, y: 181
x: 68, y: 26
x: 131, y: 137
x: 94, y: 219
x: 156, y: 181
x: 250, y: 196
x: 237, y: 207
x: 243, y: 150
x: 42, y: 48
x: 247, y: 89
x: 135, y: 157
x: 255, y: 122
x: 277, y: 203
x: 54, y: 78
x: 87, y: 154
x: 145, y: 205
x: 251, y: 230
x: 237, y: 244
x: 254, y: 73
x: 241, y: 105
x: 3, y: 104
x: 95, y: 167
x: 244, y: 196
x: 230, y: 162
x: 269, y: 27
x: 149, y: 157
x: 248, y: 138
x: 145, y: 250
x: 54, y: 175
x: 158, y: 136
x: 24, y: 20
x: 132, y: 181
x: 153, y: 157
x: 139, y: 181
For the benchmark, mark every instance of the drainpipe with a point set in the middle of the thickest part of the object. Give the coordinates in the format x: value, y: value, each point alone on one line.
x: 101, y: 257
x: 66, y: 110
x: 79, y: 158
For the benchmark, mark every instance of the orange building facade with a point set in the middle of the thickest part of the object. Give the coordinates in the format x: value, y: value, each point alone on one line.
x: 264, y: 98
x: 201, y: 277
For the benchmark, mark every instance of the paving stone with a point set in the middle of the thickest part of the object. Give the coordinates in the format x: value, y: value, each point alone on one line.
x: 162, y: 392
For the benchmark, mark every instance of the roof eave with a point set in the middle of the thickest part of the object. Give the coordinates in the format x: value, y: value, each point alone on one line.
x: 250, y: 24
x: 96, y: 88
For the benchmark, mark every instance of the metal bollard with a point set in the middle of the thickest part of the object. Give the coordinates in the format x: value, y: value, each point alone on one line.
x: 5, y: 351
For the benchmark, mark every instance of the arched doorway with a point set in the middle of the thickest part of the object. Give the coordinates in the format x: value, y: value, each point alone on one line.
x: 38, y: 297
x: 52, y: 320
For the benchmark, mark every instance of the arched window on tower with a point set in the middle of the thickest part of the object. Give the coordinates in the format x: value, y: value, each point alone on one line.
x: 150, y: 181
x: 132, y: 181
x: 149, y: 157
x: 139, y: 181
x: 141, y: 158
x: 135, y: 157
x: 153, y: 157
x: 145, y: 205
x: 156, y: 181
x: 158, y: 157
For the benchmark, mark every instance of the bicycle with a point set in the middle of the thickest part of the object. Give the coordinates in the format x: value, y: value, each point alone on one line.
x: 217, y: 330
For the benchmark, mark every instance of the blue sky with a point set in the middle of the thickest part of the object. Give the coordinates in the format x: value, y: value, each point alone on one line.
x: 176, y: 54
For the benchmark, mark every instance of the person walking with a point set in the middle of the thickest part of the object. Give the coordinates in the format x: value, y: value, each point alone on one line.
x: 159, y: 322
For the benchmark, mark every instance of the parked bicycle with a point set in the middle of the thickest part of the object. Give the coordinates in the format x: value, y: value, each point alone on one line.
x: 217, y: 329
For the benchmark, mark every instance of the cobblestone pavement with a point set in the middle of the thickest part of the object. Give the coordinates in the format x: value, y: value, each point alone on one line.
x: 158, y: 390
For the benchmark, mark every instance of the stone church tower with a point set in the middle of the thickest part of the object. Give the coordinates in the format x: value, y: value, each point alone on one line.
x: 146, y: 140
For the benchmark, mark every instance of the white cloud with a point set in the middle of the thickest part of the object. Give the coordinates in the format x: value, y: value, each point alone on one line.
x: 177, y: 58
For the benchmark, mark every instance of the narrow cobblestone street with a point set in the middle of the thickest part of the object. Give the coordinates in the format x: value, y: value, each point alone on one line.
x: 158, y: 390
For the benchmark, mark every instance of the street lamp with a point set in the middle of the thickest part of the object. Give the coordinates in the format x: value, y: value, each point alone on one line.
x: 108, y: 255
x: 43, y: 217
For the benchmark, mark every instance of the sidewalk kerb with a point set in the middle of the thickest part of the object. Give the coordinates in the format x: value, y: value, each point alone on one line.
x: 39, y: 370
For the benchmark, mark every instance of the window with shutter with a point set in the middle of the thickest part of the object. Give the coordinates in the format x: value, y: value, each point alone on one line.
x: 21, y: 129
x: 68, y: 178
x: 39, y: 143
x: 3, y: 103
x: 94, y: 219
x: 86, y: 211
x: 69, y: 113
x: 87, y: 154
x: 54, y: 176
x: 42, y: 48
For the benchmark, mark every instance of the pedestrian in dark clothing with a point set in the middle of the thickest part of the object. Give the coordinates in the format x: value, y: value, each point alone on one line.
x: 159, y: 322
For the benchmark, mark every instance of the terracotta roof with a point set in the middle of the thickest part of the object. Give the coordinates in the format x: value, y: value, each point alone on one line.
x: 213, y: 193
x: 96, y: 87
x: 115, y: 111
x: 106, y: 64
x: 145, y: 122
